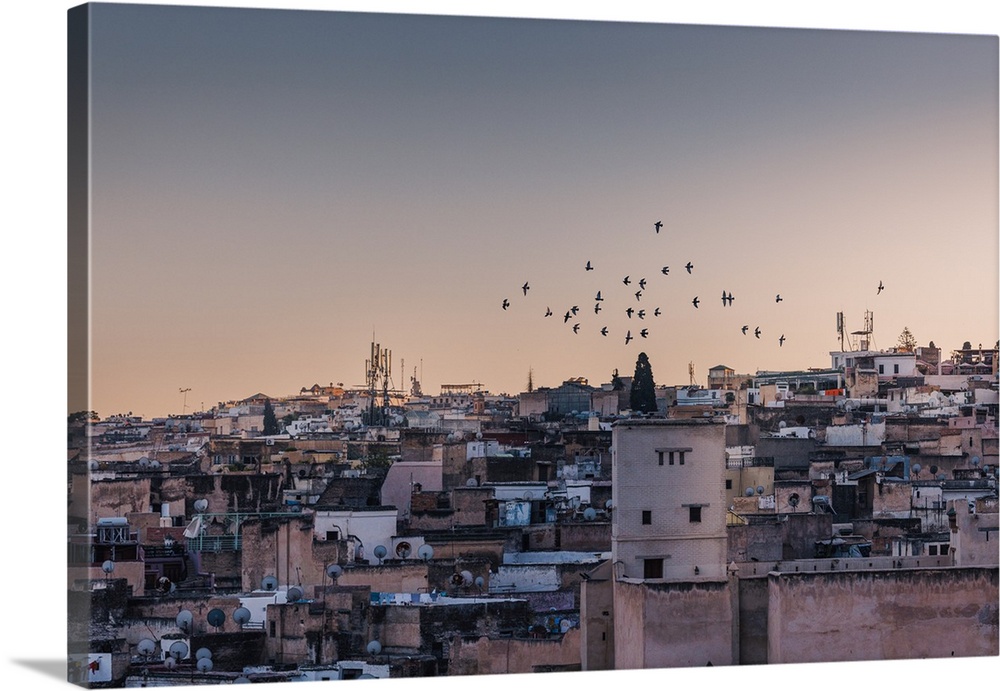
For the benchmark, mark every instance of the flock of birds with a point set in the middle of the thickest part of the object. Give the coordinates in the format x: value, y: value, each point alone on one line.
x: 638, y: 310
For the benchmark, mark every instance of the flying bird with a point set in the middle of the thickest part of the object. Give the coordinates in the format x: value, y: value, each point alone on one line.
x: 588, y: 267
x: 641, y: 314
x: 576, y: 328
x: 574, y: 309
x: 525, y: 287
x: 781, y: 341
x: 744, y: 329
x: 567, y: 317
x: 727, y: 299
x: 656, y: 312
x: 756, y: 332
x: 695, y: 301
x: 642, y: 283
x: 880, y: 288
x: 778, y: 298
x: 597, y: 307
x: 638, y: 295
x: 506, y: 303
x: 598, y: 298
x: 626, y: 281
x: 689, y: 266
x: 628, y: 337
x: 644, y: 333
x: 658, y: 225
x: 629, y: 312
x: 665, y: 270
x: 604, y: 331
x: 548, y: 312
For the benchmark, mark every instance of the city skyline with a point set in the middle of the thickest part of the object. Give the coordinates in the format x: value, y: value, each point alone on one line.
x: 270, y: 188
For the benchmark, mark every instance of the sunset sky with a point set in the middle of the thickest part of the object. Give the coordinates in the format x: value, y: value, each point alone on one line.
x: 272, y: 187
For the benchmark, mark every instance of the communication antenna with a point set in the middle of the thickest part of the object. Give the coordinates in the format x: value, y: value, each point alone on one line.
x: 590, y: 513
x: 241, y: 615
x: 200, y: 505
x: 178, y: 650
x: 146, y: 647
x: 216, y: 617
x: 374, y: 647
x: 760, y: 489
x: 205, y: 664
x: 334, y: 571
x: 380, y: 551
x: 294, y: 594
x: 426, y: 552
x: 185, y: 393
x: 269, y: 583
x: 202, y: 654
x: 691, y: 373
x: 185, y: 620
x: 403, y: 550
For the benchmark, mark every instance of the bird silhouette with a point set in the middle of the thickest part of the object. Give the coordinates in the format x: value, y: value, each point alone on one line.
x: 641, y: 314
x: 525, y: 287
x: 548, y: 312
x: 656, y: 312
x: 506, y: 303
x: 778, y: 298
x: 638, y: 295
x: 727, y: 299
x: 597, y: 307
x: 744, y: 329
x: 598, y: 298
x: 629, y: 312
x: 781, y: 341
x: 642, y: 283
x: 658, y: 225
x: 567, y: 317
x: 628, y: 337
x: 644, y: 333
x: 880, y: 288
x: 576, y: 328
x: 689, y: 266
x: 588, y: 267
x: 756, y: 332
x: 665, y: 270
x: 695, y: 301
x: 604, y: 331
x: 626, y: 281
x: 574, y: 309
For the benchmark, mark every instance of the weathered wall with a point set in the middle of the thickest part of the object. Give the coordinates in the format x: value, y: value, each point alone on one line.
x: 753, y: 621
x: 597, y: 625
x: 754, y: 542
x: 882, y: 615
x: 514, y: 655
x: 673, y: 625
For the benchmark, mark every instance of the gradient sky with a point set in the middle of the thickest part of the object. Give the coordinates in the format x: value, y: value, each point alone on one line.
x: 270, y: 187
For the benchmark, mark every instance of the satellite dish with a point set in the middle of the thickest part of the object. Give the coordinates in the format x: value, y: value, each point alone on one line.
x: 941, y: 476
x: 147, y: 646
x: 589, y: 513
x: 144, y: 462
x: 917, y: 468
x: 374, y: 647
x: 294, y: 594
x: 200, y: 505
x: 565, y: 625
x: 269, y: 583
x: 528, y: 495
x: 334, y: 570
x: 976, y: 460
x: 471, y: 482
x: 380, y: 551
x: 425, y: 552
x: 241, y: 615
x: 466, y: 578
x: 479, y: 435
x: 782, y: 424
x: 108, y: 566
x: 794, y: 499
x: 154, y: 464
x: 203, y: 653
x: 760, y: 489
x: 205, y: 664
x: 480, y: 581
x: 93, y: 465
x: 216, y: 617
x: 178, y: 650
x: 367, y: 676
x: 608, y: 505
x: 403, y: 550
x: 748, y: 491
x: 575, y: 502
x: 184, y: 620
x: 934, y: 470
x: 170, y: 663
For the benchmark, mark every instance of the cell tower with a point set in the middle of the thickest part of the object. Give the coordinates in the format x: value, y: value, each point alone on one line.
x: 378, y: 380
x: 866, y: 341
x: 691, y: 373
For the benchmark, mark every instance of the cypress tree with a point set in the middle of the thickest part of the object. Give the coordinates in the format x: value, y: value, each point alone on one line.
x: 643, y: 397
x: 270, y: 420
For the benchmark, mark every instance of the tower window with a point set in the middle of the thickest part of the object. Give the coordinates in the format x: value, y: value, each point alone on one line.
x: 647, y: 517
x: 694, y: 513
x: 652, y: 568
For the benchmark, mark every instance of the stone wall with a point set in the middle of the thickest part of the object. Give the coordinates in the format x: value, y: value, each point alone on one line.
x: 485, y: 655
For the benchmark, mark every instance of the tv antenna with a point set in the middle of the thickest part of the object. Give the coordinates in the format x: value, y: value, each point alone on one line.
x: 185, y: 392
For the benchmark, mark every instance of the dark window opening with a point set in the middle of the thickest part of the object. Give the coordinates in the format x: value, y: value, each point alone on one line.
x: 647, y: 517
x: 695, y: 514
x: 729, y: 484
x: 652, y: 568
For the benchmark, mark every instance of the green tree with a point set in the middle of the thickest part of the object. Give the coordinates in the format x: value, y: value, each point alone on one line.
x: 643, y: 395
x: 906, y: 343
x: 270, y: 421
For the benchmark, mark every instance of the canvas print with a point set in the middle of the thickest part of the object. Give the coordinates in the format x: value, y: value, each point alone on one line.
x: 408, y: 346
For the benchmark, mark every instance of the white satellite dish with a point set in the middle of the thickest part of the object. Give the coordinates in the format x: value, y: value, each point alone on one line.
x: 467, y: 578
x: 178, y: 650
x: 294, y: 594
x: 374, y: 647
x: 269, y: 583
x: 147, y: 646
x: 200, y: 505
x: 380, y: 551
x: 589, y: 513
x: 184, y: 620
x: 170, y: 663
x: 203, y: 653
x: 425, y: 552
x: 205, y: 664
x: 334, y: 570
x: 471, y: 482
x: 241, y: 615
x: 108, y: 566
